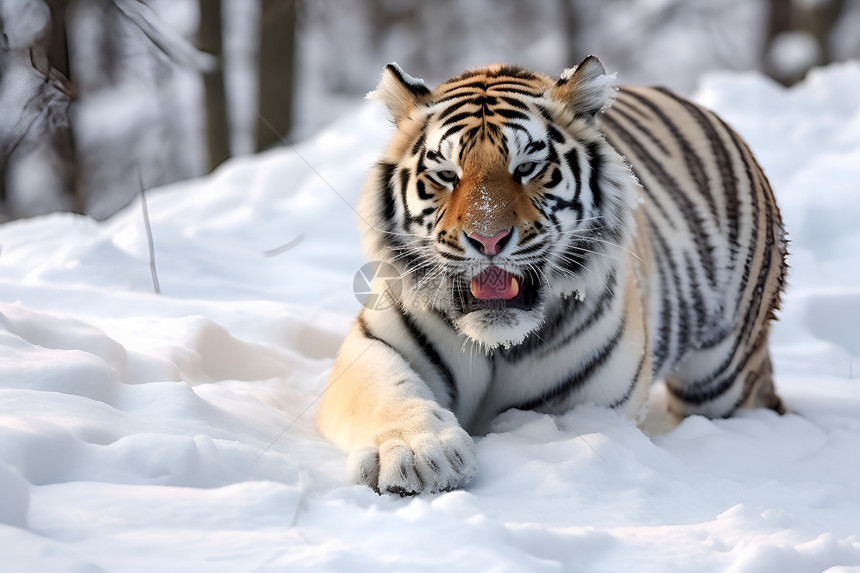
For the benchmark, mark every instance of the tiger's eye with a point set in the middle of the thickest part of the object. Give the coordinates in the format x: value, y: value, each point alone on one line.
x: 525, y: 169
x: 447, y: 176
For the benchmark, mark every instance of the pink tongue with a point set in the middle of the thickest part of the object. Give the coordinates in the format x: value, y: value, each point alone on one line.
x: 494, y: 283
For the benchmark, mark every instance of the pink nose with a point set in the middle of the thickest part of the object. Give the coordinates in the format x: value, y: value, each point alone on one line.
x: 490, y: 245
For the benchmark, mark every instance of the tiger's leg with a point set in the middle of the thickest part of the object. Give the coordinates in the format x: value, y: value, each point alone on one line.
x: 716, y: 381
x: 759, y: 389
x: 399, y: 438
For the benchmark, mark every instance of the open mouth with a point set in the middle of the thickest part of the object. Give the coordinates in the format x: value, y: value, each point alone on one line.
x: 495, y: 287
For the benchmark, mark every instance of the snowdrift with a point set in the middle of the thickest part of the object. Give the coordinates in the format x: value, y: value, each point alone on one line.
x: 174, y: 431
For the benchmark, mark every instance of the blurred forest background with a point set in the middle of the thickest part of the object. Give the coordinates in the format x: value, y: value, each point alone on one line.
x: 102, y: 98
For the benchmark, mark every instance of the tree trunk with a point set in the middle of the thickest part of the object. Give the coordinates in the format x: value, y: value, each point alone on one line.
x: 819, y: 20
x: 209, y: 40
x: 816, y: 19
x: 58, y: 72
x: 276, y: 64
x: 4, y: 46
x: 58, y: 48
x: 571, y: 31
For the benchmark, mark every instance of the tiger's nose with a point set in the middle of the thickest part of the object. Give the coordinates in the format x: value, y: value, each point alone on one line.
x: 489, y: 245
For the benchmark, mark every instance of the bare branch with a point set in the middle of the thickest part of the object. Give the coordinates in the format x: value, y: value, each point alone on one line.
x: 172, y: 45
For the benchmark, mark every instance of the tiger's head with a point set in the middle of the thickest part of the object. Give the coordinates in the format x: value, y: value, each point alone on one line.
x: 498, y: 195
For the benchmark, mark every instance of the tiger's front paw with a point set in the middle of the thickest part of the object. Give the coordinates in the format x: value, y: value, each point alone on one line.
x: 426, y: 457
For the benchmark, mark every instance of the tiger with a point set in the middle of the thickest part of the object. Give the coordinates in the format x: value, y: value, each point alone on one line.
x: 555, y: 242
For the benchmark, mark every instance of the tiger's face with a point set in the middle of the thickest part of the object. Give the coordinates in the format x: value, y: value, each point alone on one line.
x: 498, y: 194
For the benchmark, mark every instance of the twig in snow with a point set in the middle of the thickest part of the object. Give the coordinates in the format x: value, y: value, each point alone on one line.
x: 300, y: 505
x: 152, y: 269
x: 286, y: 246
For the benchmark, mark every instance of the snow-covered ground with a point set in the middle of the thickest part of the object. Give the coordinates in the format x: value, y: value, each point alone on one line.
x: 174, y: 432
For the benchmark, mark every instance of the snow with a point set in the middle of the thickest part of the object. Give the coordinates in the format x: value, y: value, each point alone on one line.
x: 174, y: 432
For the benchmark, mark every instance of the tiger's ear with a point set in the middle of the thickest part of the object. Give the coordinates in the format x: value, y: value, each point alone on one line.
x: 586, y: 89
x: 400, y: 92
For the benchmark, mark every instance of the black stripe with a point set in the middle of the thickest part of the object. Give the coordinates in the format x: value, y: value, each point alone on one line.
x: 753, y: 376
x: 623, y: 400
x: 404, y: 186
x: 422, y: 190
x: 597, y: 310
x: 417, y: 89
x: 578, y: 378
x: 735, y: 249
x: 754, y: 182
x: 426, y: 212
x: 754, y: 233
x: 695, y: 225
x: 515, y: 126
x: 450, y: 257
x: 513, y: 102
x: 555, y: 321
x: 697, y: 172
x: 485, y: 101
x: 511, y: 71
x: 439, y: 216
x: 595, y: 159
x: 511, y: 114
x: 479, y: 85
x: 365, y: 331
x: 698, y: 315
x: 619, y: 110
x: 451, y: 131
x: 448, y: 111
x: 767, y: 256
x: 618, y: 132
x: 419, y: 144
x: 456, y: 96
x: 536, y: 246
x: 432, y: 356
x: 572, y: 159
x: 545, y: 113
x: 561, y: 204
x: 555, y: 134
x: 682, y: 330
x: 420, y: 166
x: 631, y: 105
x: 723, y: 161
x: 721, y: 380
x: 554, y: 180
x: 512, y: 86
x: 661, y: 348
x: 388, y: 205
x: 459, y: 117
x: 535, y: 146
x: 691, y: 157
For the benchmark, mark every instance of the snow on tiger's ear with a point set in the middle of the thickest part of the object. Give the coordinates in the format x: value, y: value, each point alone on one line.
x: 400, y: 92
x: 586, y: 89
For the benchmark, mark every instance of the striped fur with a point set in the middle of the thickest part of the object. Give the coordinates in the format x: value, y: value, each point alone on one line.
x: 637, y: 239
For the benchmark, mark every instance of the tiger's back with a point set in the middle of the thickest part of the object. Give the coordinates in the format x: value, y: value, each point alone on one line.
x: 709, y: 225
